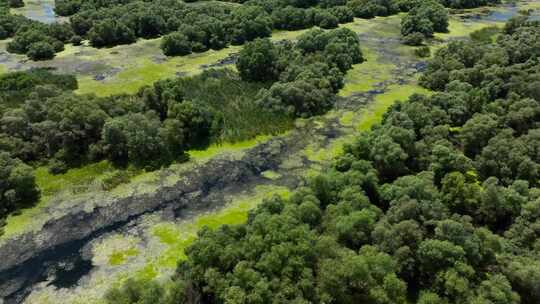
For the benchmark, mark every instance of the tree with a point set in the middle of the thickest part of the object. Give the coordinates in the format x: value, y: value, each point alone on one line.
x: 176, y: 44
x: 477, y: 132
x: 187, y: 125
x: 135, y: 138
x: 298, y: 99
x: 257, y: 61
x: 427, y: 18
x: 249, y: 23
x: 110, y: 32
x: 40, y: 51
x: 18, y: 187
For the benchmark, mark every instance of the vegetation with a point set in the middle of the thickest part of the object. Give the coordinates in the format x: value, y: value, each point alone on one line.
x: 310, y: 73
x: 424, y: 18
x: 17, y: 185
x: 198, y: 28
x: 437, y: 204
x: 45, y: 122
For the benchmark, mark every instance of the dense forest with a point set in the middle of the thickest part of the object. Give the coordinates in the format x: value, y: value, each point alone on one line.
x: 197, y: 28
x: 437, y: 204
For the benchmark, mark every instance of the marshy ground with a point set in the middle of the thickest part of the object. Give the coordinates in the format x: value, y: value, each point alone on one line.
x: 150, y: 244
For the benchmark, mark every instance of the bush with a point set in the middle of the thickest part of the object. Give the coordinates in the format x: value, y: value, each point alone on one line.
x: 16, y: 3
x: 18, y: 187
x: 414, y: 39
x: 427, y: 18
x: 257, y: 61
x: 422, y: 52
x: 176, y: 44
x: 41, y: 51
x: 76, y: 40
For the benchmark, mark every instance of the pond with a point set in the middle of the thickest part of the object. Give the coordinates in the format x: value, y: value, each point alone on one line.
x: 39, y: 10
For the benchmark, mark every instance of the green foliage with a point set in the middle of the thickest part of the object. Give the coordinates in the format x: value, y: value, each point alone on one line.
x: 423, y: 52
x: 135, y: 138
x: 110, y: 32
x: 257, y: 61
x: 427, y: 18
x: 176, y: 44
x: 310, y: 72
x: 40, y: 51
x: 17, y: 185
x: 414, y: 39
x: 437, y: 204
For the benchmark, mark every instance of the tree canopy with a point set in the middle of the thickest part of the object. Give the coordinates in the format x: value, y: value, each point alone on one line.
x: 437, y: 204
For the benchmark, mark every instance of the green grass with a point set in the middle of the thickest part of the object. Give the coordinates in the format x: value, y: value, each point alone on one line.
x: 233, y: 102
x: 486, y: 34
x: 139, y: 69
x: 88, y: 178
x: 177, y: 237
x: 120, y: 257
x: 365, y: 76
x: 51, y: 184
x: 374, y: 112
x: 458, y: 28
x: 271, y: 175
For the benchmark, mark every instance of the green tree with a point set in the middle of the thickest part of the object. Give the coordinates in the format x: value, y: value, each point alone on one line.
x: 176, y: 44
x: 257, y: 61
x: 18, y: 187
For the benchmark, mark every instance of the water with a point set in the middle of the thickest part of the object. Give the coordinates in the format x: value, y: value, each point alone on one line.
x: 42, y: 11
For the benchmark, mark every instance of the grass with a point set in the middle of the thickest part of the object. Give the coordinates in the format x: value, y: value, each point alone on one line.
x: 233, y: 102
x: 142, y: 69
x: 51, y: 184
x: 120, y: 257
x: 365, y: 76
x: 374, y: 112
x: 227, y: 147
x: 139, y: 66
x: 271, y: 175
x: 90, y: 178
x: 77, y: 180
x: 457, y: 28
x: 529, y: 5
x: 177, y: 237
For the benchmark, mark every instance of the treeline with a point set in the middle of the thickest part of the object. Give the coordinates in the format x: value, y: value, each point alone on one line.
x: 438, y: 204
x: 11, y: 3
x: 424, y: 18
x: 197, y: 28
x: 37, y: 40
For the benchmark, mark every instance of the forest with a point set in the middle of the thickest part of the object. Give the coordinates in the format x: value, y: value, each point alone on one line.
x: 437, y: 204
x: 191, y: 28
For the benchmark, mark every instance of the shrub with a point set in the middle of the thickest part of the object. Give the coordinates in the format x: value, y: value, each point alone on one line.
x: 41, y: 51
x: 414, y: 39
x: 423, y: 51
x: 76, y: 40
x: 176, y: 44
